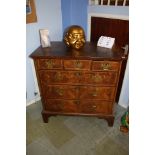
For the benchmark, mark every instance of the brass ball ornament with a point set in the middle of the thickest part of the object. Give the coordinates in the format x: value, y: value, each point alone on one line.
x: 74, y: 37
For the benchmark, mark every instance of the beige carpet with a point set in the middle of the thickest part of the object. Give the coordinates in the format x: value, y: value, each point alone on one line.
x: 74, y: 135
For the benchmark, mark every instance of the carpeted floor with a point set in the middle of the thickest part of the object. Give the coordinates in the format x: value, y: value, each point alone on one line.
x: 74, y: 135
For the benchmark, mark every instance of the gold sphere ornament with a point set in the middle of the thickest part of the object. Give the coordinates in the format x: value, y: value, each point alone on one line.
x: 75, y: 37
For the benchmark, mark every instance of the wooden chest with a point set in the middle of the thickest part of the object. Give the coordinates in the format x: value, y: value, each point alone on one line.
x: 80, y: 82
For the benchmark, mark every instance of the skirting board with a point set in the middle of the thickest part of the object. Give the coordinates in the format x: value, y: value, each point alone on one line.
x: 33, y: 101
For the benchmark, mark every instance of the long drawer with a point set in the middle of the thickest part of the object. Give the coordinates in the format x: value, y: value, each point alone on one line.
x: 78, y: 92
x: 79, y: 106
x: 76, y: 77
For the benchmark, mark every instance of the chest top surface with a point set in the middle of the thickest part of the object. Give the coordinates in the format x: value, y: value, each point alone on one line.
x: 89, y: 51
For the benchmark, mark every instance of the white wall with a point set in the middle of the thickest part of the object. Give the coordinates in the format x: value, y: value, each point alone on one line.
x: 49, y: 16
x: 116, y: 10
x: 124, y: 95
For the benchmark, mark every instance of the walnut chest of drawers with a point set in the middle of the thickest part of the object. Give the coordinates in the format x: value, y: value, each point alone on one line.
x: 82, y: 82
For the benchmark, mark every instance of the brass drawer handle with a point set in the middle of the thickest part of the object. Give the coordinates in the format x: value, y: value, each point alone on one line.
x: 106, y: 66
x: 78, y: 64
x: 49, y: 64
x: 59, y: 91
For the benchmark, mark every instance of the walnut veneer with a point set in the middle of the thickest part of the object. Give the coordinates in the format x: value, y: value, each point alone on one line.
x: 80, y: 82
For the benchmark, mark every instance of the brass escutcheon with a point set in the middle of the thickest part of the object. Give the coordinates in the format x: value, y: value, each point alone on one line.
x: 58, y: 76
x: 96, y: 78
x: 94, y: 94
x: 78, y: 74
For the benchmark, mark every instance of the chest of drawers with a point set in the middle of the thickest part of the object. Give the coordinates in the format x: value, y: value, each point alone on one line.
x: 80, y: 82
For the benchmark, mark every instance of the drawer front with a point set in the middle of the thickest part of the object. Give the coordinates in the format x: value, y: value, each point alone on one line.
x: 77, y: 64
x: 94, y: 106
x: 49, y: 64
x: 60, y: 92
x: 77, y: 106
x: 66, y: 106
x: 102, y: 78
x: 71, y: 77
x: 105, y: 66
x: 92, y: 92
x: 58, y: 77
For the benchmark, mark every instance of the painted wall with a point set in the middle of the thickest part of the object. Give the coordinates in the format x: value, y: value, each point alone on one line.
x: 74, y: 12
x: 66, y: 13
x: 49, y: 16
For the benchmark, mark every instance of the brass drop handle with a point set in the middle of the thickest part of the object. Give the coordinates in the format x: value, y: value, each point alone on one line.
x: 78, y: 64
x: 49, y: 64
x: 59, y: 91
x: 105, y: 66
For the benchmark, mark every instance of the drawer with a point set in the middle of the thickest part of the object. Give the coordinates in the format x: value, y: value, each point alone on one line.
x: 94, y: 92
x: 95, y: 107
x: 77, y: 64
x: 102, y: 78
x: 78, y: 77
x: 58, y: 77
x: 65, y: 106
x: 60, y: 92
x: 49, y: 64
x: 105, y: 66
x: 77, y: 106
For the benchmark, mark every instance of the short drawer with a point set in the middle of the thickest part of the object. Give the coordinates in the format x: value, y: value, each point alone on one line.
x: 65, y: 106
x: 95, y: 107
x: 77, y: 64
x: 105, y: 66
x: 49, y: 64
x: 94, y: 92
